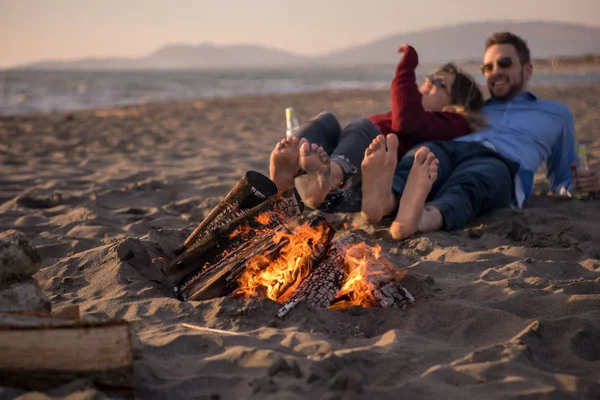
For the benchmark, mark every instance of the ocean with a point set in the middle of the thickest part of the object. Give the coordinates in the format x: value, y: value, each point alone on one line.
x: 30, y: 91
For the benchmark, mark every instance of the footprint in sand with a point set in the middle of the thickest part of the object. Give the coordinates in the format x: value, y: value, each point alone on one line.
x: 378, y: 169
x: 422, y: 175
x: 140, y: 195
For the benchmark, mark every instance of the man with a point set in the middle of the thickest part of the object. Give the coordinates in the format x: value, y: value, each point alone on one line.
x: 444, y: 184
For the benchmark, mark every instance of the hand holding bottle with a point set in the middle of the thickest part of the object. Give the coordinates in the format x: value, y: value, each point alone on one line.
x: 586, y: 181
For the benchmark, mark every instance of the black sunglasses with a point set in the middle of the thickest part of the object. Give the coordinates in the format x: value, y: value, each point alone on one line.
x: 503, y: 63
x: 438, y: 82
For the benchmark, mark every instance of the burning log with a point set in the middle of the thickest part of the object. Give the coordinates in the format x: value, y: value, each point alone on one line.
x: 308, y: 245
x: 250, y: 191
x: 322, y: 284
x: 220, y: 279
x: 351, y: 274
x: 372, y: 280
x: 227, y: 239
x: 278, y: 279
x: 252, y: 245
x: 223, y: 278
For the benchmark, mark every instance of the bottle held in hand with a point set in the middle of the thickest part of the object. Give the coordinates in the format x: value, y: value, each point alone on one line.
x: 583, y: 166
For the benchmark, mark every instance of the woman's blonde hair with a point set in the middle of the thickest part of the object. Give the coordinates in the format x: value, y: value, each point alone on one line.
x: 467, y: 99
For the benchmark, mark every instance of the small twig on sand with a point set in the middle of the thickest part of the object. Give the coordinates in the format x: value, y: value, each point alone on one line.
x: 211, y: 330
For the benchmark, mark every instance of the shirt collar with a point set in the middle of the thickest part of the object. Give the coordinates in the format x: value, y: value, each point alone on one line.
x: 523, y: 96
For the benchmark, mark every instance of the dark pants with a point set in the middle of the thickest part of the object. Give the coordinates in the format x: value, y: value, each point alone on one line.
x: 472, y: 180
x: 345, y: 146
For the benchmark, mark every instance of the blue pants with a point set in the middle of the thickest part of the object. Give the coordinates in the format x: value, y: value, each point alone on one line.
x: 472, y: 180
x: 345, y: 146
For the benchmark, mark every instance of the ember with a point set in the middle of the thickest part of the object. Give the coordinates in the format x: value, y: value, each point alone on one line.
x: 266, y: 250
x: 356, y: 289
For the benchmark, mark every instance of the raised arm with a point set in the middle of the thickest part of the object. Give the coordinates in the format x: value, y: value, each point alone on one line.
x: 408, y: 114
x: 407, y: 107
x: 562, y: 156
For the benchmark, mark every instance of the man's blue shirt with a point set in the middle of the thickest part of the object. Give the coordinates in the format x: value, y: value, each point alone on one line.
x: 531, y: 131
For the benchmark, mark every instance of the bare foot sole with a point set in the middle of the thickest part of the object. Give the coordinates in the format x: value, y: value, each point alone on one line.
x: 284, y: 163
x: 420, y: 179
x: 317, y: 164
x: 378, y: 169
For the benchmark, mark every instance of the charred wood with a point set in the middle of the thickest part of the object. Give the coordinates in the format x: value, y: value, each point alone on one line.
x: 251, y: 190
x: 221, y: 279
x: 217, y: 280
x: 218, y: 244
x: 322, y: 284
x: 318, y: 251
x: 381, y: 278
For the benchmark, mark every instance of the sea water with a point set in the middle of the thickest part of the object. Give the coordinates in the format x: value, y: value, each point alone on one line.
x: 31, y: 91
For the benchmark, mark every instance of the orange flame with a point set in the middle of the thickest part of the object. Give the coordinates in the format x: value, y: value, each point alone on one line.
x: 279, y: 279
x: 243, y: 230
x: 362, y: 262
x: 265, y: 218
x: 246, y: 230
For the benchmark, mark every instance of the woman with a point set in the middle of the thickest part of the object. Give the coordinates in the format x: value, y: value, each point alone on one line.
x: 446, y: 106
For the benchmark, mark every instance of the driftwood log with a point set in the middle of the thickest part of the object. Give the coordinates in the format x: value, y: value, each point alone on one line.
x: 44, y: 351
x: 227, y: 239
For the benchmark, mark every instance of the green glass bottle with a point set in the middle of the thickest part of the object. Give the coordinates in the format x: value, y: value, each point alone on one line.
x: 583, y: 166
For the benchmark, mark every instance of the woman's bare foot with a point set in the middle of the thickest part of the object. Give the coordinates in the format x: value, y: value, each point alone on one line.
x: 284, y: 163
x: 378, y: 169
x: 422, y: 175
x: 317, y: 164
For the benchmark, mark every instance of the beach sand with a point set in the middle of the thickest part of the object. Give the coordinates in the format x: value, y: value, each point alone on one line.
x: 508, y: 308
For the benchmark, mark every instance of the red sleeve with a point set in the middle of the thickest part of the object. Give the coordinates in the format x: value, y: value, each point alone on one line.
x: 408, y: 114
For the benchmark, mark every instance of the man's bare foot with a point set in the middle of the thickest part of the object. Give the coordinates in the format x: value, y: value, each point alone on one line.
x: 422, y: 175
x: 317, y: 164
x: 378, y: 169
x: 284, y: 163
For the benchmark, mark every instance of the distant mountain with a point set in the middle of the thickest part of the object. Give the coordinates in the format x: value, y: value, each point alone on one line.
x: 209, y: 55
x: 184, y: 56
x: 466, y: 42
x: 459, y: 43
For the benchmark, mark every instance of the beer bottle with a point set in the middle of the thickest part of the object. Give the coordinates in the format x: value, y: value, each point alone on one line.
x: 291, y: 121
x: 583, y: 166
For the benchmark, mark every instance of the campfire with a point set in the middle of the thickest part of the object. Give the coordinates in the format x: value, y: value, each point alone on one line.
x: 256, y: 243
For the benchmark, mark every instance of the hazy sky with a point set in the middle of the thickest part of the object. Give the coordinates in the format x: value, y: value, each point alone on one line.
x: 66, y: 29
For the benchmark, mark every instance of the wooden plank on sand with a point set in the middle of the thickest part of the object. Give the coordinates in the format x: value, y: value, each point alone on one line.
x: 41, y: 353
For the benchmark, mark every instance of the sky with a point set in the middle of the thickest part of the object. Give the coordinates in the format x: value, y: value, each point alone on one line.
x: 34, y: 30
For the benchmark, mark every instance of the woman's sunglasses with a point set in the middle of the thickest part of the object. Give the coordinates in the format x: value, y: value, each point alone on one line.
x: 502, y: 63
x: 437, y: 82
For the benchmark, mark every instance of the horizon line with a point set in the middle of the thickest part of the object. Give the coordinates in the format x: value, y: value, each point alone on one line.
x: 293, y: 53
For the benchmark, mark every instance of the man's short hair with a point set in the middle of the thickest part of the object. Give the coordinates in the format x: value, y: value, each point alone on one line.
x: 510, y: 38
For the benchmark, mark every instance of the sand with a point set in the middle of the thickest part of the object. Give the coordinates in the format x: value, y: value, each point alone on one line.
x: 507, y: 308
